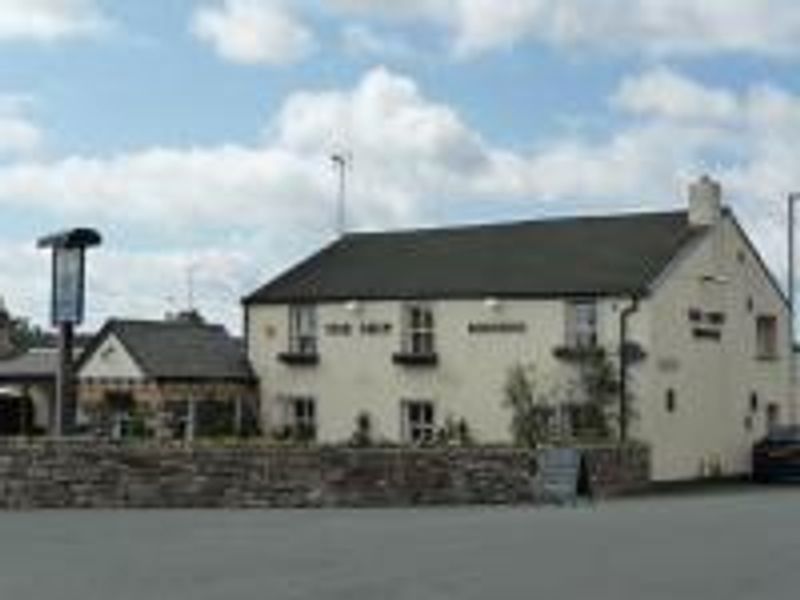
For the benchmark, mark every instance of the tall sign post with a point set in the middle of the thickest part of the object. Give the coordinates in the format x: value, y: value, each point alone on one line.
x: 67, y: 310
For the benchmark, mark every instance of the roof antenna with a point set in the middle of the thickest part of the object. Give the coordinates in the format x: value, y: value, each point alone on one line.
x: 342, y: 162
x: 190, y: 269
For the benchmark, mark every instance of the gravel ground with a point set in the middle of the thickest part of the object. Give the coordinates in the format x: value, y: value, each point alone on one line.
x: 738, y: 544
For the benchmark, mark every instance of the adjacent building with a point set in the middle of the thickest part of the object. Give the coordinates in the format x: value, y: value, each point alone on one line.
x: 419, y: 328
x: 173, y: 379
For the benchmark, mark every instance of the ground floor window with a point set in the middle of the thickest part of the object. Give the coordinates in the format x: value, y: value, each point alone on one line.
x: 773, y: 416
x: 418, y: 421
x: 299, y: 417
x: 121, y: 410
x: 209, y: 418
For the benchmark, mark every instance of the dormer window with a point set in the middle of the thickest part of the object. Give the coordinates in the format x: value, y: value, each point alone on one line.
x: 581, y: 324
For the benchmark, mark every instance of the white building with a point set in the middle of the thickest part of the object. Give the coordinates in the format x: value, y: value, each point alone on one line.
x: 418, y: 326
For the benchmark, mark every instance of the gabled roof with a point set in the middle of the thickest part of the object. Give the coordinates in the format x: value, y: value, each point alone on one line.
x: 38, y: 364
x: 585, y: 256
x: 177, y: 350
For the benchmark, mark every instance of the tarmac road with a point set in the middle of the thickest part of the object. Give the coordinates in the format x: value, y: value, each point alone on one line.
x: 738, y: 544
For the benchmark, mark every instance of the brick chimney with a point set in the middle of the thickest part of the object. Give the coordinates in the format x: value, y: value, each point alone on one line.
x: 705, y: 202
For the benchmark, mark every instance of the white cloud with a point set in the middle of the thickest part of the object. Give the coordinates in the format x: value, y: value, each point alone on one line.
x: 49, y: 20
x: 664, y: 93
x: 253, y: 31
x: 19, y: 135
x: 219, y: 282
x: 361, y: 40
x: 765, y: 27
x: 412, y: 155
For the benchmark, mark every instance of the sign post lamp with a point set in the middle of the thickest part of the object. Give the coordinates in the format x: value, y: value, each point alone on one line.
x: 67, y: 311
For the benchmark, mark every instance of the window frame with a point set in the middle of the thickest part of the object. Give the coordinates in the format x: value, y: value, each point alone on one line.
x: 766, y: 333
x: 671, y: 401
x: 582, y: 326
x: 419, y: 329
x: 303, y: 334
x: 299, y: 414
x: 421, y: 430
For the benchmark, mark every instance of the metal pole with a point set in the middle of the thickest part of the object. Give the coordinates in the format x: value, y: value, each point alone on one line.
x: 65, y: 388
x: 340, y: 161
x: 792, y: 366
x: 624, y: 412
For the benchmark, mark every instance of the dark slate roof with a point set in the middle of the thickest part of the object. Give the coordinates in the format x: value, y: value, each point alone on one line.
x: 34, y: 365
x: 178, y: 350
x: 549, y: 258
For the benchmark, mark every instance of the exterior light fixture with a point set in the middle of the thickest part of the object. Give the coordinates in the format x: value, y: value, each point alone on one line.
x: 492, y: 303
x: 353, y: 306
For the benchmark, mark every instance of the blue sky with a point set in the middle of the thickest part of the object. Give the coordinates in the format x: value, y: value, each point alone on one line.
x: 198, y: 132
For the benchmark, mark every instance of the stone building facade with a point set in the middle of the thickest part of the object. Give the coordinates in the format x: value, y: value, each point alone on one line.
x: 166, y: 379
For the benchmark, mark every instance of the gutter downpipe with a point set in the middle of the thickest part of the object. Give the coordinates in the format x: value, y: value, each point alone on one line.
x: 625, y: 316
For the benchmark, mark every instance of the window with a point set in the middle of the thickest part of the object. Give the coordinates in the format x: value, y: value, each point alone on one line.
x: 418, y: 336
x: 300, y: 417
x: 303, y: 329
x: 670, y: 402
x: 766, y: 337
x: 121, y: 407
x: 773, y: 416
x: 581, y: 324
x: 418, y: 425
x: 753, y: 401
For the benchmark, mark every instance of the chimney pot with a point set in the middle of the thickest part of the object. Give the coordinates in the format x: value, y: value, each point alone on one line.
x: 705, y: 202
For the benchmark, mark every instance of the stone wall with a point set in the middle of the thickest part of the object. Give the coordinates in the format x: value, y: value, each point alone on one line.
x: 92, y: 474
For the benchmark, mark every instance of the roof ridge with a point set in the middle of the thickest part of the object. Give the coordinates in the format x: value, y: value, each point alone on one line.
x: 546, y: 220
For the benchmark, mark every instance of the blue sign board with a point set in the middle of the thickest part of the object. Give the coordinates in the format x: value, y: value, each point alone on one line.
x: 67, y: 285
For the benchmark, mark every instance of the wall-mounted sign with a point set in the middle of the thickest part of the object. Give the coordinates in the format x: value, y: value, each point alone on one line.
x: 498, y: 327
x: 338, y: 329
x: 375, y: 328
x: 367, y: 328
x: 668, y: 364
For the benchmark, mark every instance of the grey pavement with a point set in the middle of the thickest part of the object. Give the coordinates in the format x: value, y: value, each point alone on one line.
x: 740, y: 544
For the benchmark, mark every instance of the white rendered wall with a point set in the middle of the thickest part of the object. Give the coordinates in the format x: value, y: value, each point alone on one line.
x: 110, y: 360
x: 713, y: 380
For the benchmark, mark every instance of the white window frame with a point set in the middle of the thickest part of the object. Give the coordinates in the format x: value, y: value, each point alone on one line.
x: 766, y: 337
x: 419, y: 329
x: 582, y: 324
x: 303, y: 329
x: 300, y: 411
x: 418, y: 421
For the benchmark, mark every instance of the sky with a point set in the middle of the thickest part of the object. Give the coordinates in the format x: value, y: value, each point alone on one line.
x: 196, y: 135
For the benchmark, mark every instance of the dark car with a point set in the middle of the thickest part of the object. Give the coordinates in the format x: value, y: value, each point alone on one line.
x: 776, y: 458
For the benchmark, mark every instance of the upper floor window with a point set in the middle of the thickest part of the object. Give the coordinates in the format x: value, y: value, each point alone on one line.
x: 581, y: 324
x: 303, y: 329
x: 766, y: 336
x: 418, y: 329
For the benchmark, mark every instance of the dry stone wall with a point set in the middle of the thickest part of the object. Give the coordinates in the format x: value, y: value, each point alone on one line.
x: 94, y: 474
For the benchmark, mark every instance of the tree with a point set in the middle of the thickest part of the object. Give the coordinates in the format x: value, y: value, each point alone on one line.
x: 531, y: 414
x: 599, y: 381
x: 26, y: 335
x: 363, y: 436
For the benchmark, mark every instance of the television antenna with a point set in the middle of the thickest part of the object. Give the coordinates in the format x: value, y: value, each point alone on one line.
x: 342, y: 163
